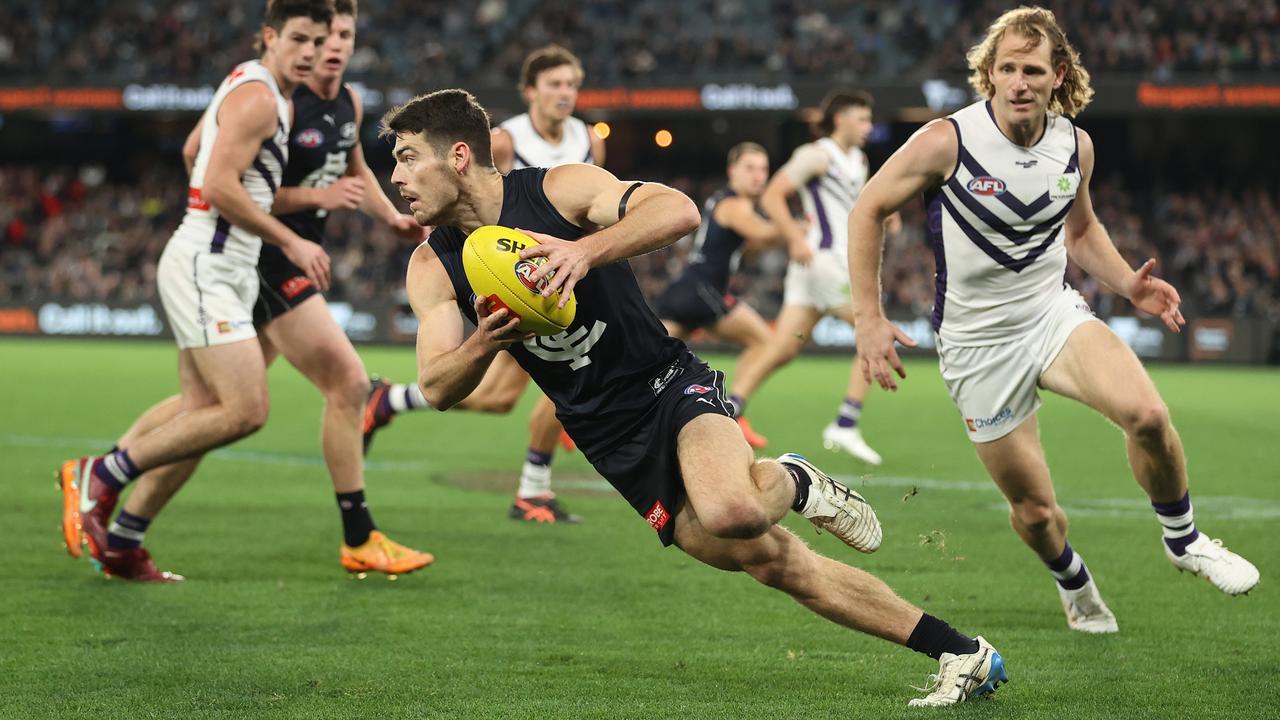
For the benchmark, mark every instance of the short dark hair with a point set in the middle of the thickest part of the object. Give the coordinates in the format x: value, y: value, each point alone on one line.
x: 278, y: 12
x: 544, y: 59
x: 737, y: 151
x: 836, y: 102
x: 445, y: 117
x: 346, y: 7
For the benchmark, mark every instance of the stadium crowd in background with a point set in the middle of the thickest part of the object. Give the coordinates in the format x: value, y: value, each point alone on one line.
x: 65, y: 41
x: 71, y: 234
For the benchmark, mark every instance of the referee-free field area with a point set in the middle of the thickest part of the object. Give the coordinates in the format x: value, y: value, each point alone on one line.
x: 597, y: 620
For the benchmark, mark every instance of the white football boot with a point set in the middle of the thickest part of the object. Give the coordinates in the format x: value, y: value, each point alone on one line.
x: 961, y: 677
x: 833, y: 507
x: 1211, y: 560
x: 1085, y: 610
x: 836, y: 439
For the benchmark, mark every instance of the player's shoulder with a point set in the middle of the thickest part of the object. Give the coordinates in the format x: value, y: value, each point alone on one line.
x: 515, y: 123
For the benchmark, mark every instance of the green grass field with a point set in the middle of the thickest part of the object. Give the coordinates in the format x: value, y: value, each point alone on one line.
x: 517, y: 621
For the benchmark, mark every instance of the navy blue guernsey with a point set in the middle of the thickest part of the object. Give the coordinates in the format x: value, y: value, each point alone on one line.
x: 604, y: 373
x: 323, y: 137
x: 716, y: 249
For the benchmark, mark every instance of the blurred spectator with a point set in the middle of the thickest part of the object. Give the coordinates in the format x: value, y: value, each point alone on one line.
x: 633, y: 41
x: 66, y: 232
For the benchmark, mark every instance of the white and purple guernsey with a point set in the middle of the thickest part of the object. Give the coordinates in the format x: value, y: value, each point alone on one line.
x: 203, y: 226
x: 997, y: 228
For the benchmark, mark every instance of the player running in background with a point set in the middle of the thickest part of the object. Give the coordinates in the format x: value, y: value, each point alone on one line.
x: 208, y: 282
x: 325, y: 171
x: 1006, y: 184
x: 649, y: 415
x: 546, y: 136
x: 731, y: 225
x: 827, y: 175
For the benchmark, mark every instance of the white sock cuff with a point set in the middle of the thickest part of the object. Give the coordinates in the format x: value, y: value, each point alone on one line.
x: 1072, y: 570
x: 1176, y: 521
x: 415, y: 397
x: 125, y: 532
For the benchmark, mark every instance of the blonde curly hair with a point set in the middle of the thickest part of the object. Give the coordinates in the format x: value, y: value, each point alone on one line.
x: 1036, y: 24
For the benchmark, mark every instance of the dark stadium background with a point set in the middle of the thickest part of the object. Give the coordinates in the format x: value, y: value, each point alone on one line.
x: 96, y: 98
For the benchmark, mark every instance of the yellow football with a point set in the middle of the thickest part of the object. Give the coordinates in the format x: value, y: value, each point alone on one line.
x: 491, y: 259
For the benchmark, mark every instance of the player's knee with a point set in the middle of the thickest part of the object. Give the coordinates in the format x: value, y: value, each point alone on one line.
x: 350, y: 388
x: 736, y: 519
x: 1034, y: 514
x: 249, y: 416
x: 1149, y: 421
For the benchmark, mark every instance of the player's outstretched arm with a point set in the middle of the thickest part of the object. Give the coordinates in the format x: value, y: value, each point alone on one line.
x: 806, y: 163
x: 653, y: 216
x: 191, y: 147
x: 926, y: 160
x: 246, y: 119
x: 373, y: 199
x: 449, y: 368
x: 738, y: 214
x: 1089, y: 244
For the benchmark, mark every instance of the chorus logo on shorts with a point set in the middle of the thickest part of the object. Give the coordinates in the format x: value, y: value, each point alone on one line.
x: 1000, y: 418
x: 696, y: 389
x: 657, y: 516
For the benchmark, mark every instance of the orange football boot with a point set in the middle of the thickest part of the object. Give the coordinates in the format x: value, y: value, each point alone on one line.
x: 382, y: 554
x: 754, y: 439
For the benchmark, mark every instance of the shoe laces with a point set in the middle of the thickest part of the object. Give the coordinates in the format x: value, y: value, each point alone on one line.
x: 948, y: 677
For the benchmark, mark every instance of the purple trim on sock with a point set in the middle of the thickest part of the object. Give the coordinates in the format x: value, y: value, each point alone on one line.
x: 855, y: 404
x: 1076, y: 582
x: 133, y: 522
x: 1181, y: 507
x: 127, y: 465
x: 101, y: 472
x: 1064, y: 560
x: 845, y: 421
x: 1178, y: 546
x: 739, y: 405
x: 534, y: 457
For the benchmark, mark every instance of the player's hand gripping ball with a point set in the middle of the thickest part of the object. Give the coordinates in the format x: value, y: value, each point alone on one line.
x: 491, y: 259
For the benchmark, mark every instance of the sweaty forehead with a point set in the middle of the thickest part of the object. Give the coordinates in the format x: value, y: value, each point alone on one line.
x: 1022, y: 48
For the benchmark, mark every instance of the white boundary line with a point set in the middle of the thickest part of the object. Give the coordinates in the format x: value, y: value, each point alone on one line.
x: 1218, y: 507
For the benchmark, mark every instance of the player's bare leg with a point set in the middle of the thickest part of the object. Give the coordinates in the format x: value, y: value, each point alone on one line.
x: 742, y: 496
x: 535, y: 501
x: 309, y: 338
x: 744, y: 326
x: 843, y: 433
x: 1016, y: 462
x: 791, y: 332
x: 1096, y: 368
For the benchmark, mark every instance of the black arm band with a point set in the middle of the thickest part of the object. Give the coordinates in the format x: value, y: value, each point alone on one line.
x: 622, y: 204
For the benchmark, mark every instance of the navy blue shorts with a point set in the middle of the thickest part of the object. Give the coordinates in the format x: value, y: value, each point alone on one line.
x: 693, y: 303
x: 644, y: 467
x: 283, y: 286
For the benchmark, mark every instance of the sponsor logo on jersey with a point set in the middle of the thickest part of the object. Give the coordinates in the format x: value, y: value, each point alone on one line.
x: 1026, y: 164
x: 524, y: 273
x: 310, y: 138
x: 224, y: 327
x: 1000, y: 418
x: 657, y: 516
x: 986, y: 185
x: 294, y: 286
x: 697, y: 389
x: 659, y: 383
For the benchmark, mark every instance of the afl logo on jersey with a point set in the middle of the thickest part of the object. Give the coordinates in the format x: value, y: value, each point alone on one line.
x: 986, y: 186
x: 311, y: 137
